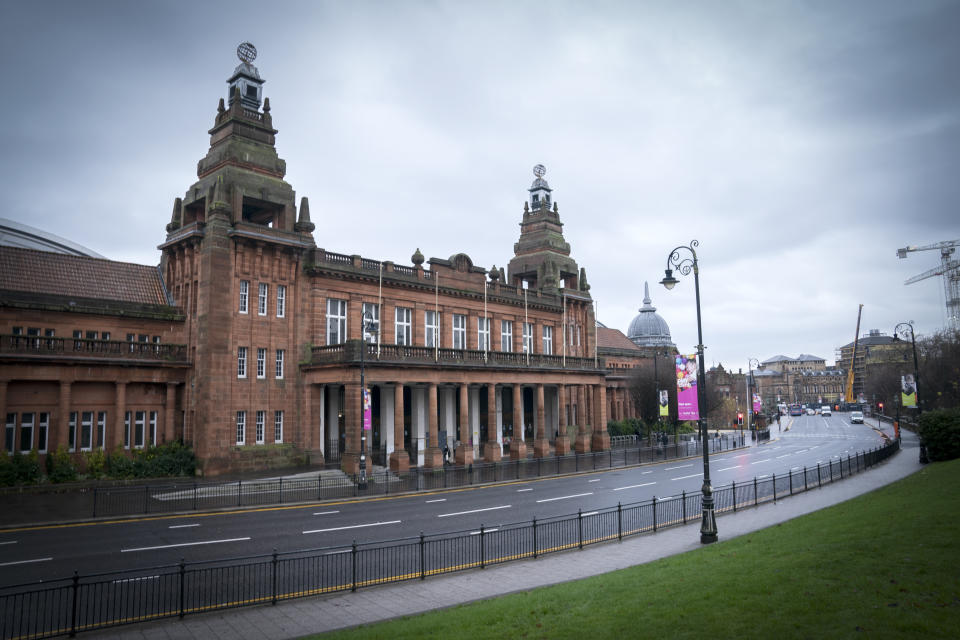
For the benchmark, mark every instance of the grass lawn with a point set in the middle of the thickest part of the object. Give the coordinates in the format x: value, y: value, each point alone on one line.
x: 886, y: 564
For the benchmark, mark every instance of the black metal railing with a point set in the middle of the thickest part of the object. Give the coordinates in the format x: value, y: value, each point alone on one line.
x: 96, y: 601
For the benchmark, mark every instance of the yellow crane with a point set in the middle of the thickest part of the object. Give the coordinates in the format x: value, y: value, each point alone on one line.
x: 848, y: 396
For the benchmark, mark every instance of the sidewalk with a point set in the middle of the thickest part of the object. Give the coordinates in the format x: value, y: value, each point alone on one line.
x: 296, y: 618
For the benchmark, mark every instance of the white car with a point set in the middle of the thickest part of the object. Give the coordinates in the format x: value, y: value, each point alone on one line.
x: 825, y: 410
x: 856, y: 417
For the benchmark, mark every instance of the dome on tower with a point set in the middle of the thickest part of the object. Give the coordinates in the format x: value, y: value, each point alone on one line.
x: 648, y: 329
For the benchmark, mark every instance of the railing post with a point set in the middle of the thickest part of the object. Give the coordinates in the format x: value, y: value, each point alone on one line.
x: 94, y: 502
x: 830, y: 462
x: 274, y: 577
x: 653, y: 504
x: 756, y: 497
x: 791, y: 482
x: 194, y: 495
x: 619, y: 522
x: 146, y: 497
x: 819, y: 479
x: 483, y: 563
x: 183, y: 585
x: 534, y: 537
x: 353, y: 566
x: 580, y: 528
x: 774, y: 488
x: 684, y: 494
x: 281, y: 489
x: 239, y: 492
x: 734, y: 496
x: 423, y: 564
x: 319, y: 488
x: 75, y: 604
x: 804, y: 477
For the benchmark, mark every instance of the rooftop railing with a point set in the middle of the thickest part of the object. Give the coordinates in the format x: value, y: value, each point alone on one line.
x: 83, y: 348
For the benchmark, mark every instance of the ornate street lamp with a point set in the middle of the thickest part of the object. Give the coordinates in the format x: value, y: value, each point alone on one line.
x: 708, y: 523
x: 900, y: 332
x: 750, y: 363
x: 366, y: 326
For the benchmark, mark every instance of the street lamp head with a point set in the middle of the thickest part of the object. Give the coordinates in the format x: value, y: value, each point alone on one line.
x: 669, y: 281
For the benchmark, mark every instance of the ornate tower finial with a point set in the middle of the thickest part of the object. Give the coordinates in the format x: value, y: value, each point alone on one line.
x: 304, y: 225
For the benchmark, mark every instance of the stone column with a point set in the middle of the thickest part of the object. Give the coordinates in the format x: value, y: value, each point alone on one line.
x: 491, y: 448
x: 541, y: 445
x: 518, y: 448
x: 601, y: 438
x: 399, y: 459
x: 563, y: 440
x: 582, y: 445
x: 119, y: 412
x: 464, y: 454
x: 169, y: 411
x: 433, y: 457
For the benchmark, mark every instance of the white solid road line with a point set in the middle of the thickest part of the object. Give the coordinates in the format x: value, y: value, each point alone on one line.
x: 759, y: 461
x: 576, y: 495
x: 595, y: 480
x: 10, y: 564
x: 325, y: 513
x: 784, y: 455
x: 690, y: 476
x: 728, y: 468
x: 353, y: 526
x: 8, y: 542
x: 589, y: 513
x: 476, y: 533
x: 183, y: 526
x: 634, y: 486
x: 463, y: 513
x: 683, y: 466
x: 436, y: 500
x: 522, y: 490
x: 184, y: 544
x: 135, y: 579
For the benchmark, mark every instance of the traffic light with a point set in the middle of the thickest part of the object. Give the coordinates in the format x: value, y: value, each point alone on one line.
x: 740, y: 418
x: 880, y: 406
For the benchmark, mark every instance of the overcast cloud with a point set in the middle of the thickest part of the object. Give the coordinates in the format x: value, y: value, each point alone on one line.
x: 801, y: 143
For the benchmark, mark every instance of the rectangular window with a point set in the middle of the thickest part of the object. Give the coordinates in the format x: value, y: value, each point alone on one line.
x: 126, y: 430
x: 18, y: 331
x: 92, y: 335
x: 105, y: 335
x: 336, y: 321
x: 262, y: 291
x: 49, y: 333
x: 26, y: 432
x: 506, y: 335
x: 578, y: 335
x: 278, y: 426
x: 10, y: 433
x: 459, y: 331
x: 371, y: 322
x: 101, y: 429
x: 138, y: 432
x: 260, y: 419
x: 86, y: 431
x: 241, y: 427
x: 483, y: 334
x: 279, y: 372
x: 43, y: 428
x: 244, y: 295
x: 261, y: 362
x: 431, y: 328
x: 72, y: 432
x: 528, y: 337
x: 403, y: 325
x: 548, y: 340
x: 281, y: 300
x: 241, y: 362
x: 153, y: 428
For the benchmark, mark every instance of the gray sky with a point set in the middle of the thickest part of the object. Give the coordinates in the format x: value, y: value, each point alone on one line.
x: 801, y: 143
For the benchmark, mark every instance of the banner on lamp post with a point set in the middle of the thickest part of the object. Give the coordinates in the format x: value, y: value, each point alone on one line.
x: 687, y: 407
x: 664, y: 403
x: 908, y: 391
x: 367, y: 417
x: 756, y: 402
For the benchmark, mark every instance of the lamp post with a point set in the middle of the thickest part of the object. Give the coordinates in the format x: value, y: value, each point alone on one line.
x: 366, y: 325
x: 708, y: 522
x: 750, y: 362
x: 900, y: 332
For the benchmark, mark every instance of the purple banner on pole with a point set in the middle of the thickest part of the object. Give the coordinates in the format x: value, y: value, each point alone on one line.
x: 687, y: 407
x: 367, y: 418
x: 756, y: 402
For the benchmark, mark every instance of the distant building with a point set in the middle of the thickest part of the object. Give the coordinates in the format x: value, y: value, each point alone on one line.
x: 805, y: 379
x: 873, y: 349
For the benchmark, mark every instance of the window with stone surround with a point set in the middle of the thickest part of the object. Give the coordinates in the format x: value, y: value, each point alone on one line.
x: 431, y: 328
x: 279, y: 371
x: 72, y: 432
x: 261, y: 363
x: 101, y: 429
x: 244, y: 295
x: 26, y: 432
x: 528, y: 337
x: 336, y: 321
x: 370, y: 319
x: 86, y: 431
x: 141, y: 419
x: 43, y: 428
x: 459, y: 331
x: 483, y: 334
x: 153, y: 427
x: 281, y: 300
x: 241, y: 362
x: 126, y: 430
x: 404, y: 325
x: 262, y: 291
x: 10, y: 433
x: 241, y: 427
x: 260, y: 419
x: 506, y: 335
x: 278, y: 426
x: 548, y: 340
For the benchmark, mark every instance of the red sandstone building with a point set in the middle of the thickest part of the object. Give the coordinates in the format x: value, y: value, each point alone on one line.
x: 246, y: 340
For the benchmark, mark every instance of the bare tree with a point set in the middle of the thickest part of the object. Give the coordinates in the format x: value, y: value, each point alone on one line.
x: 939, y: 357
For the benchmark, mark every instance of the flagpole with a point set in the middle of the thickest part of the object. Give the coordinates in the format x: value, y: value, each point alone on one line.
x: 526, y: 321
x: 564, y: 330
x: 596, y: 332
x: 436, y: 316
x: 380, y: 309
x: 486, y: 342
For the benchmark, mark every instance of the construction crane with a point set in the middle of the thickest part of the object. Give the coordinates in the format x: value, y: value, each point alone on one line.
x: 848, y: 396
x: 949, y: 269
